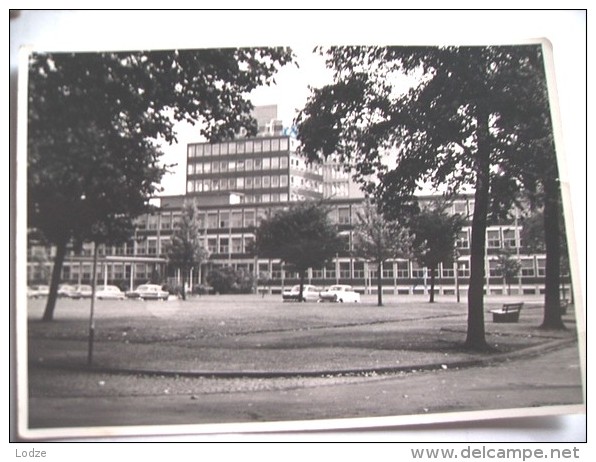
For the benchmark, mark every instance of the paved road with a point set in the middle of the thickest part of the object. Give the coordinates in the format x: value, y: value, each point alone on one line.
x: 71, y: 399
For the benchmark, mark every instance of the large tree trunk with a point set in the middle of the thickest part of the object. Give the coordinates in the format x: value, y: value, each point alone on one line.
x: 476, y: 335
x: 380, y: 284
x: 552, y: 309
x: 48, y: 314
x: 432, y: 286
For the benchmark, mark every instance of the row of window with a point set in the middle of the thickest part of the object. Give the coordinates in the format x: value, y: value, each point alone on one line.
x: 237, y: 165
x: 238, y: 147
x: 237, y: 184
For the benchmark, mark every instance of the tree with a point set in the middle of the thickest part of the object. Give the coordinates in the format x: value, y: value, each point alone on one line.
x: 435, y: 233
x: 186, y: 249
x: 227, y: 280
x: 508, y: 267
x: 378, y: 240
x: 94, y: 123
x: 442, y: 127
x: 301, y: 237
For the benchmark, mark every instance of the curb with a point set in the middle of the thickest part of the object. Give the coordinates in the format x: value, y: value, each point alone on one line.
x: 445, y: 365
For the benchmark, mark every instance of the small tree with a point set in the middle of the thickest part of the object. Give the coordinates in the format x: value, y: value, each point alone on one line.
x: 301, y: 237
x: 379, y: 240
x: 435, y: 233
x: 508, y: 267
x: 186, y: 249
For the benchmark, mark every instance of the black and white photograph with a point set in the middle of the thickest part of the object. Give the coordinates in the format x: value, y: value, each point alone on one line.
x: 230, y: 237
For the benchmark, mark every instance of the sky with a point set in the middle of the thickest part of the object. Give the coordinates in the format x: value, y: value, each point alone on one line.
x: 289, y: 93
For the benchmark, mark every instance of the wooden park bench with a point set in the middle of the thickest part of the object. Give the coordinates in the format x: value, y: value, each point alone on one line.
x: 508, y: 313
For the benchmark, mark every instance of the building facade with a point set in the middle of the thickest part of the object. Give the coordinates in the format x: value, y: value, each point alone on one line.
x: 238, y: 183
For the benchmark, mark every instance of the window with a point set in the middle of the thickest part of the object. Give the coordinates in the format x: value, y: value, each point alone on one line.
x: 463, y: 268
x: 224, y: 148
x: 283, y: 162
x: 344, y: 270
x: 199, y: 185
x: 212, y: 220
x: 215, y: 184
x: 541, y: 264
x: 417, y: 271
x: 152, y: 247
x: 462, y: 240
x: 223, y: 166
x: 283, y: 197
x: 283, y: 144
x: 509, y: 240
x: 402, y: 269
x: 275, y: 144
x: 215, y: 167
x: 283, y: 180
x: 266, y: 197
x: 207, y: 149
x: 237, y: 219
x: 224, y: 219
x: 190, y: 186
x: 212, y: 245
x: 215, y: 150
x: 388, y: 270
x: 493, y: 269
x: 257, y: 182
x: 190, y: 151
x: 199, y: 168
x: 266, y: 181
x: 343, y: 216
x: 527, y: 267
x: 224, y: 245
x: 207, y: 185
x: 232, y: 166
x: 248, y: 182
x: 207, y: 167
x: 266, y: 145
x: 236, y: 245
x: 249, y: 146
x: 190, y: 169
x: 232, y: 148
x: 248, y: 242
x: 249, y: 165
x: 231, y: 183
x: 258, y: 164
x: 240, y: 166
x: 460, y: 207
x: 240, y: 183
x: 166, y: 221
x: 258, y: 146
x: 275, y: 163
x: 330, y: 270
x: 493, y: 239
x: 266, y: 163
x: 275, y: 181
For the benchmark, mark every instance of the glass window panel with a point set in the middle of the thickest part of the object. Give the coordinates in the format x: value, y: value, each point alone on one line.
x: 249, y: 146
x: 275, y: 181
x: 224, y: 166
x: 199, y: 168
x: 191, y: 150
x: 223, y: 149
x: 266, y: 181
x: 207, y: 185
x: 199, y: 185
x: 248, y: 182
x: 249, y: 165
x: 283, y: 144
x: 215, y: 167
x: 232, y: 166
x: 257, y: 182
x: 207, y: 149
x: 190, y: 169
x: 266, y: 145
x: 275, y: 163
x: 232, y: 148
x: 257, y: 146
x: 190, y: 186
x: 266, y: 163
x: 215, y: 150
x: 283, y: 162
x: 240, y: 183
x: 275, y: 144
x: 207, y: 167
x: 258, y: 164
x: 240, y: 147
x: 283, y: 180
x: 240, y: 166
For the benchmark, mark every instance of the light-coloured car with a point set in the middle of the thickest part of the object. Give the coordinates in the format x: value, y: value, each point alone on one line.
x: 66, y: 290
x: 340, y: 293
x: 109, y: 293
x: 310, y: 293
x: 82, y: 291
x: 38, y: 291
x: 148, y: 292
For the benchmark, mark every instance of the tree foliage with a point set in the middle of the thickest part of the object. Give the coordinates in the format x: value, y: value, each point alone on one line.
x: 94, y: 122
x: 434, y: 234
x: 377, y: 239
x: 403, y: 116
x: 301, y: 237
x: 186, y: 249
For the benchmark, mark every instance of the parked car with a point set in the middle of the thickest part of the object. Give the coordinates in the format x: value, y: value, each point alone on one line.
x: 340, y: 293
x: 310, y: 293
x: 82, y: 291
x: 148, y: 292
x: 38, y: 291
x: 66, y: 290
x: 109, y: 293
